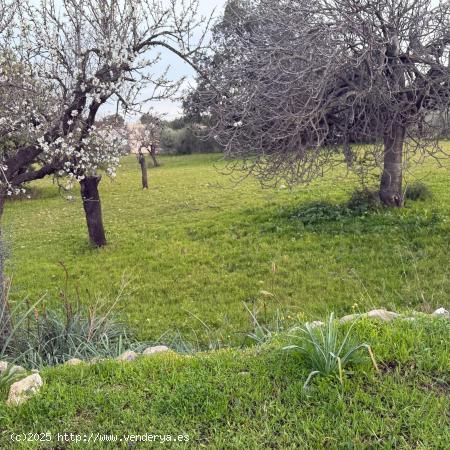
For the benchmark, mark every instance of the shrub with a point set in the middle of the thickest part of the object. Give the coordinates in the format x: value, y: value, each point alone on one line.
x: 418, y: 191
x: 326, y: 350
x: 170, y: 140
x: 362, y: 200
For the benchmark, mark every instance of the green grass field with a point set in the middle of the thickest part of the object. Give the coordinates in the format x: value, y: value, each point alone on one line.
x: 199, y: 253
x: 249, y: 399
x: 195, y: 247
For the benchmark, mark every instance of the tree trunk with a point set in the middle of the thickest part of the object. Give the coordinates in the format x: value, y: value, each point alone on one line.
x: 155, y: 162
x: 5, y: 313
x: 143, y: 165
x: 391, y: 193
x: 348, y: 153
x: 153, y: 155
x: 93, y: 210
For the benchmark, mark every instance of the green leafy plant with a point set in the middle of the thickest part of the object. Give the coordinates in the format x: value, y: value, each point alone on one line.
x: 418, y: 191
x: 326, y: 350
x: 360, y: 202
x: 318, y: 212
x: 364, y: 200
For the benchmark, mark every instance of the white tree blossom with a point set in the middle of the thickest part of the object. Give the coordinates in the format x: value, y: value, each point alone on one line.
x: 74, y: 56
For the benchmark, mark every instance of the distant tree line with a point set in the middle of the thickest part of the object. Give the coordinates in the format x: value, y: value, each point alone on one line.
x: 183, y: 136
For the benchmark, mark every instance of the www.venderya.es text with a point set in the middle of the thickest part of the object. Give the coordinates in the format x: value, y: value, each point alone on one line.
x: 98, y: 437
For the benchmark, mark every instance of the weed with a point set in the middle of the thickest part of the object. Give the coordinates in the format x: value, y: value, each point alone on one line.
x: 326, y: 350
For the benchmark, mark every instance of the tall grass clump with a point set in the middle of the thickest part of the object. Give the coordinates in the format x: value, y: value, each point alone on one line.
x: 45, y: 336
x: 326, y: 350
x: 261, y: 333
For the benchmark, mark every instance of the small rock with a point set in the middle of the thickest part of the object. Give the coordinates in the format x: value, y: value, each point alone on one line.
x: 155, y: 349
x: 21, y: 390
x: 73, y: 362
x: 349, y: 318
x: 127, y: 356
x: 382, y: 314
x: 442, y: 312
x: 16, y: 369
x: 96, y: 360
x: 244, y: 373
x: 3, y: 366
x: 315, y: 324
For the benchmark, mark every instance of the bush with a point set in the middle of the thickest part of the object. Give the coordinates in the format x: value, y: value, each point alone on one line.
x: 418, y: 191
x: 362, y: 200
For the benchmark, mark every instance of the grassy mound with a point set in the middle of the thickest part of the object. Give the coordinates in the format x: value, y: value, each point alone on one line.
x: 252, y: 398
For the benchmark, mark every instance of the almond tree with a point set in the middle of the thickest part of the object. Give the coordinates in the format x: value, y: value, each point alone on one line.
x: 137, y: 138
x: 87, y: 53
x: 143, y: 137
x: 296, y: 86
x: 151, y: 134
x: 61, y: 62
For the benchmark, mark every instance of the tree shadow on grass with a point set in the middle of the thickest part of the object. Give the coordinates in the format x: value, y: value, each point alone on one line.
x: 329, y: 218
x: 324, y: 218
